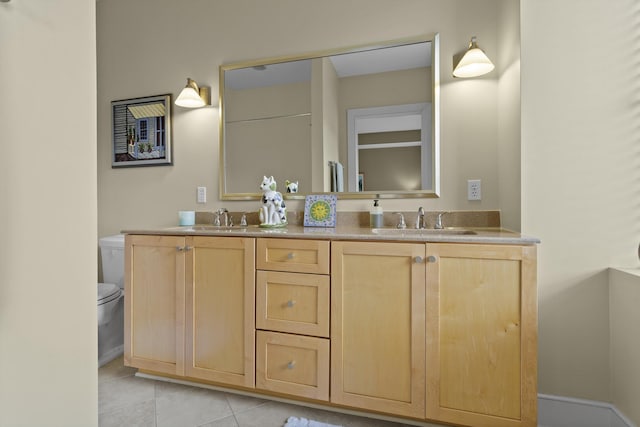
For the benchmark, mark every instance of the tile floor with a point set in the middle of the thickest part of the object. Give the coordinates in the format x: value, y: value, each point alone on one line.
x: 126, y: 400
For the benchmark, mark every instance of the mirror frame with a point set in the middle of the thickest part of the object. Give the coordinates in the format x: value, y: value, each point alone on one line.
x: 434, y: 38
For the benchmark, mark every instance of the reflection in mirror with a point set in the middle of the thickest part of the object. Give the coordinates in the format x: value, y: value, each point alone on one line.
x: 391, y: 146
x: 359, y: 120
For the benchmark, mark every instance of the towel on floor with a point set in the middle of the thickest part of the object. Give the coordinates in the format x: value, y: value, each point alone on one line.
x: 303, y: 422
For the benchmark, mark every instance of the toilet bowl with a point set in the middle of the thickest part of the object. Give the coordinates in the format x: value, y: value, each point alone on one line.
x: 110, y: 299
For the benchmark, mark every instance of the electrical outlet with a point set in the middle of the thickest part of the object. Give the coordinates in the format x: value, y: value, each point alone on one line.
x: 202, y: 194
x: 474, y: 189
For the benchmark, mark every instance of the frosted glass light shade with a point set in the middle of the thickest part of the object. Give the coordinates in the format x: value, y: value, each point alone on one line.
x: 474, y: 63
x: 190, y: 96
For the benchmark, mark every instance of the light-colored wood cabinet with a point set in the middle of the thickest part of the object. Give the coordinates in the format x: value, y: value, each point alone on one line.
x: 442, y: 332
x: 220, y: 301
x: 378, y: 327
x: 292, y: 317
x: 482, y: 335
x: 154, y: 303
x: 190, y: 304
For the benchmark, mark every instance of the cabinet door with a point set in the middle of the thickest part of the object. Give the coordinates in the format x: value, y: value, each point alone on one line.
x: 481, y: 335
x: 378, y: 327
x: 221, y: 309
x: 154, y: 303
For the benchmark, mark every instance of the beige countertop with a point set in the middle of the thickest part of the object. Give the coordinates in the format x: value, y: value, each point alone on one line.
x: 485, y: 235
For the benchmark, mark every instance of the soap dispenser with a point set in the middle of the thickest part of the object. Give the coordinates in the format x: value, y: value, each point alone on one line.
x: 375, y: 216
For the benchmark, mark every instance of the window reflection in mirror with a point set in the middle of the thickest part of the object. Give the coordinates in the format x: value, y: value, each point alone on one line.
x: 288, y: 118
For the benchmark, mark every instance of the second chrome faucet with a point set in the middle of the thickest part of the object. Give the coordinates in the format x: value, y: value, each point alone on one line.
x: 421, y: 220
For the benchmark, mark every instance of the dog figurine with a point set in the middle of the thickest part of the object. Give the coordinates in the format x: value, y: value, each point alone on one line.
x: 273, y: 212
x: 292, y: 187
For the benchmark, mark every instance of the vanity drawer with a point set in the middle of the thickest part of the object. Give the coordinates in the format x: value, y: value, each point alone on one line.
x: 292, y: 302
x: 297, y: 256
x: 292, y: 364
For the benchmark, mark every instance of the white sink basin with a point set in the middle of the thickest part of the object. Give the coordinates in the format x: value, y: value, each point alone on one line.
x: 422, y: 231
x: 199, y: 227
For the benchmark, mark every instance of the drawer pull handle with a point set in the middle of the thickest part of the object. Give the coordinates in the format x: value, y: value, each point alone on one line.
x: 291, y: 364
x: 291, y: 303
x: 290, y: 255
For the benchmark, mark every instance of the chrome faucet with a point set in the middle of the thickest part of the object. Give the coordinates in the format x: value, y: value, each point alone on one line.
x: 220, y: 212
x: 401, y: 224
x: 420, y: 219
x: 438, y: 225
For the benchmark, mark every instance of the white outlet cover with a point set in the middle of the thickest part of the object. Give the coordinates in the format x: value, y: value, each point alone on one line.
x: 474, y: 189
x: 202, y: 195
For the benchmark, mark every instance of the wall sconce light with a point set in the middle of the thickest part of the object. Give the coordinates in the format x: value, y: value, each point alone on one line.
x: 193, y: 97
x: 472, y: 63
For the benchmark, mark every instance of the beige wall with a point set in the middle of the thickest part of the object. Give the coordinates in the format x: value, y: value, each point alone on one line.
x: 225, y: 31
x: 509, y: 116
x: 580, y: 178
x: 324, y: 124
x: 330, y: 120
x: 48, y: 257
x: 624, y: 299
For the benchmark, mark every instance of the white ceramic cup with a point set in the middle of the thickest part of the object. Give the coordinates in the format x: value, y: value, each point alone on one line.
x: 186, y: 217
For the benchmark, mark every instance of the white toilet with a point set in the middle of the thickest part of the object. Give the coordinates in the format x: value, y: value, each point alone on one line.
x: 111, y: 299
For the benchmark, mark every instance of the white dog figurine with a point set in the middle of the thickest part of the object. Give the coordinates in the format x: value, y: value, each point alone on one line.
x: 273, y: 212
x: 292, y: 187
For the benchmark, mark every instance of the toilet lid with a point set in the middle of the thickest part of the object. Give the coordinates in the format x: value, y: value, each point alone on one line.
x: 107, y: 292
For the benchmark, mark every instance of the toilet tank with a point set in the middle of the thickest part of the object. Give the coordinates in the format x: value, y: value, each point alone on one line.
x: 112, y: 255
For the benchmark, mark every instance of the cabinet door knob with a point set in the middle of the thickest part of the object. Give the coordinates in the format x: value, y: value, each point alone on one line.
x: 187, y: 248
x: 179, y: 248
x: 290, y: 255
x: 431, y: 258
x: 290, y: 303
x: 418, y: 260
x: 291, y: 364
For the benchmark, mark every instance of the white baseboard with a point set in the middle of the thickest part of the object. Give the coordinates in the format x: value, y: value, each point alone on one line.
x: 559, y: 411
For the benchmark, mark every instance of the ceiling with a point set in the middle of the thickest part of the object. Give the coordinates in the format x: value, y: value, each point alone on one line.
x: 370, y: 61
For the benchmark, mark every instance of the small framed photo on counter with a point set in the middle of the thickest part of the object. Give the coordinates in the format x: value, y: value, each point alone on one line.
x: 320, y: 210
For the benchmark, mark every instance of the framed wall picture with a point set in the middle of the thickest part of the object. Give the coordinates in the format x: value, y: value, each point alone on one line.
x: 141, y: 131
x: 320, y: 210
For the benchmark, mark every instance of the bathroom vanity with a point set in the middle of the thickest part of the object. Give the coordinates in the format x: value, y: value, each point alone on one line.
x: 432, y: 326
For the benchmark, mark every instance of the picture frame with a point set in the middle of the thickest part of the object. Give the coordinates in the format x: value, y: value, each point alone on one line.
x: 141, y: 131
x: 320, y: 210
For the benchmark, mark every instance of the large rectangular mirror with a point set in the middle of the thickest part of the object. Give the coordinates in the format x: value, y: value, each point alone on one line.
x: 358, y: 122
